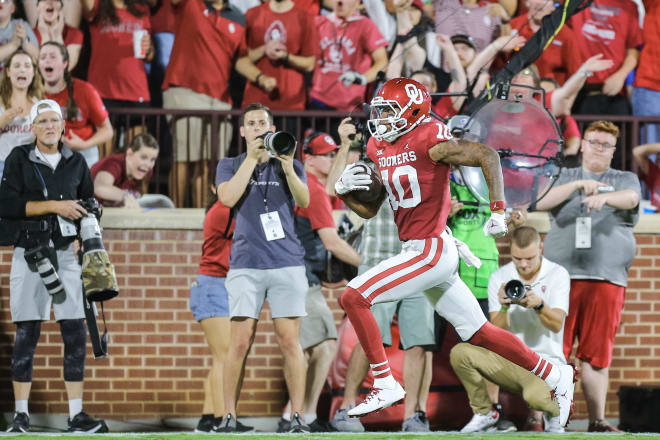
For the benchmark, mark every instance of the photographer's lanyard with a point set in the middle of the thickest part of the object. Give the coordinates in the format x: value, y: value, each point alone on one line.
x: 270, y: 221
x: 583, y: 222
x: 43, y: 182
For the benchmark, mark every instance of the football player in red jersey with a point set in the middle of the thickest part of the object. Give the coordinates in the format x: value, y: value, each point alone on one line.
x: 413, y: 155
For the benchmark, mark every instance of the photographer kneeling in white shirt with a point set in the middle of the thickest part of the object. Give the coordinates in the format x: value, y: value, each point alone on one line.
x: 529, y: 297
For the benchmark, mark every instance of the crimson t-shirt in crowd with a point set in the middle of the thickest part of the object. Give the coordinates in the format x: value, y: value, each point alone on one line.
x: 91, y: 111
x: 444, y: 107
x: 319, y: 211
x: 115, y: 164
x: 609, y: 27
x: 313, y: 7
x: 652, y: 181
x: 113, y: 68
x: 217, y: 245
x: 345, y: 45
x: 561, y: 59
x: 649, y: 59
x: 570, y: 127
x: 295, y: 29
x: 163, y: 20
x: 205, y: 49
x: 70, y: 35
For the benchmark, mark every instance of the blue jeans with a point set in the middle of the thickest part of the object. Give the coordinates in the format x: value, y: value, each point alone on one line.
x: 646, y: 102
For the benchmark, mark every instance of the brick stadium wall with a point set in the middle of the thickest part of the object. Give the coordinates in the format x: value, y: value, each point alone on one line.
x: 159, y: 359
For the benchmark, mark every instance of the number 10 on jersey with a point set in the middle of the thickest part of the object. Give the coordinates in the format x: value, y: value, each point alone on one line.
x: 409, y: 186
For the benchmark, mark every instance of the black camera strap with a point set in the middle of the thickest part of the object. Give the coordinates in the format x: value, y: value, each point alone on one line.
x: 99, y: 344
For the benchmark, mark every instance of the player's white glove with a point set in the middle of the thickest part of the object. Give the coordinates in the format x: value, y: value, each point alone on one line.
x: 352, y: 77
x: 496, y: 225
x: 351, y: 179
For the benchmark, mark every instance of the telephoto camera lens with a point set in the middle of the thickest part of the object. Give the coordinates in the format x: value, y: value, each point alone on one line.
x: 515, y: 290
x: 280, y: 143
x: 38, y: 258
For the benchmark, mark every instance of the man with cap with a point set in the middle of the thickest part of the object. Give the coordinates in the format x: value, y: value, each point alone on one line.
x: 317, y: 232
x: 40, y: 188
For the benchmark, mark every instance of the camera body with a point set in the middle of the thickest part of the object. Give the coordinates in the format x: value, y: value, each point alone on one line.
x: 516, y: 290
x: 279, y: 143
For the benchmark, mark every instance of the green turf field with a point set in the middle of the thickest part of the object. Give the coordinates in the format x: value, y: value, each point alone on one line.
x: 338, y: 436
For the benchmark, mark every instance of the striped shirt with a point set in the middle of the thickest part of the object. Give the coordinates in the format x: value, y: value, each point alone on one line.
x: 380, y: 237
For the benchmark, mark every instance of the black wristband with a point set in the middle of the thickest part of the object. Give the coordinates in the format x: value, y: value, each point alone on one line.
x: 539, y: 307
x: 256, y: 80
x: 286, y: 58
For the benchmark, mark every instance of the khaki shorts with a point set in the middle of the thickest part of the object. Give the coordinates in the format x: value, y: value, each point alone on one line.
x: 284, y: 288
x: 28, y: 298
x: 319, y: 324
x: 198, y: 145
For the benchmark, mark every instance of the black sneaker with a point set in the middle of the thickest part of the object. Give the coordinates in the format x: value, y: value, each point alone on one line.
x: 205, y: 423
x: 243, y: 428
x: 319, y: 426
x: 21, y: 423
x: 84, y: 423
x: 230, y: 424
x: 298, y: 426
x: 283, y: 425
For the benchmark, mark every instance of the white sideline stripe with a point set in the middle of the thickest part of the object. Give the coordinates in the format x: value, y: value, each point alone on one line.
x: 406, y: 271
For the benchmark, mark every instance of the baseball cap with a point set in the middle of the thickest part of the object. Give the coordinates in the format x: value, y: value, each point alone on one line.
x: 464, y: 39
x: 320, y: 143
x: 43, y: 106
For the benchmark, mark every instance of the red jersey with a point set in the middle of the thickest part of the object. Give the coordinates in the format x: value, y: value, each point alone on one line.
x: 205, y: 48
x: 345, y: 45
x: 217, y: 241
x: 70, y: 35
x: 115, y: 164
x: 163, y: 20
x: 295, y: 29
x: 609, y: 27
x: 91, y: 111
x: 113, y: 68
x: 561, y: 59
x: 649, y: 59
x: 319, y: 211
x: 417, y: 185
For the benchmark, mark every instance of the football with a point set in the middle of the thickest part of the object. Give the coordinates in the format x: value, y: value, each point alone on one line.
x: 372, y: 197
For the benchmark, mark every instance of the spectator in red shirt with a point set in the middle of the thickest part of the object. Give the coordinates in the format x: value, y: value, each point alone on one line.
x: 119, y: 179
x: 610, y: 27
x: 352, y: 54
x: 646, y: 90
x: 209, y: 303
x: 649, y: 170
x: 72, y: 10
x: 562, y: 57
x: 114, y: 70
x: 212, y: 36
x: 51, y: 27
x: 282, y: 42
x: 86, y: 119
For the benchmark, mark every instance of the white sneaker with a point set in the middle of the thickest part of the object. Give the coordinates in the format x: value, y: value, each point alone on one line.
x: 377, y: 399
x: 552, y: 424
x: 481, y: 422
x: 563, y: 392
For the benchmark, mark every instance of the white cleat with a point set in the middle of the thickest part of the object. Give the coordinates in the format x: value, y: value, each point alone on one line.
x: 481, y: 422
x: 377, y: 399
x: 552, y: 424
x: 563, y: 392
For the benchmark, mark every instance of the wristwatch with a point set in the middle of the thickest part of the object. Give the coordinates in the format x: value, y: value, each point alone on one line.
x: 539, y: 307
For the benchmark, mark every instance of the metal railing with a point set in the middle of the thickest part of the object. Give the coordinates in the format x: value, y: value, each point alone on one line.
x: 161, y: 124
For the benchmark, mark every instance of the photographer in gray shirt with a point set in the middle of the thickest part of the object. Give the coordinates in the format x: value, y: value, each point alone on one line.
x: 593, y: 210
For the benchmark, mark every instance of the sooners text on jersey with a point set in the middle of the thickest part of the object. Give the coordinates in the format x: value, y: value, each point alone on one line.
x: 418, y: 187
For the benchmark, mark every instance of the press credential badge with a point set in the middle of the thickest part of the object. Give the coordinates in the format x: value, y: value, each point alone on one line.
x: 272, y: 225
x: 583, y: 233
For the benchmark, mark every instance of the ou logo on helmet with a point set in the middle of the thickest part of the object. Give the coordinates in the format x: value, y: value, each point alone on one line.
x: 414, y: 93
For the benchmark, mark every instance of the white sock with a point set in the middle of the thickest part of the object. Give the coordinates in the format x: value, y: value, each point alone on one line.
x: 553, y: 378
x: 287, y: 416
x: 309, y: 418
x: 22, y: 406
x: 75, y: 407
x: 386, y: 382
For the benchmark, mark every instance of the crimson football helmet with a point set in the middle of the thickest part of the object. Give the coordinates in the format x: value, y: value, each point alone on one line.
x: 398, y: 107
